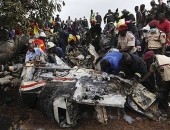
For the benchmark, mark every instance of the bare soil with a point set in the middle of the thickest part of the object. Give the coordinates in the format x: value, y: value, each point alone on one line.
x: 21, y: 117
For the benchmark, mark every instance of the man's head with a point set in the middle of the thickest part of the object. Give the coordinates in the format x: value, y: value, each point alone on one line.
x: 125, y: 12
x: 104, y: 64
x: 50, y: 47
x: 160, y: 1
x: 152, y: 3
x: 136, y: 8
x: 149, y: 57
x: 31, y: 48
x: 123, y: 30
x: 109, y: 11
x: 161, y: 17
x: 142, y: 7
x: 126, y: 59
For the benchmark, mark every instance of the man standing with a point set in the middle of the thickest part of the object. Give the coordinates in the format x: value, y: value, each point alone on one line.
x: 161, y: 7
x: 138, y: 18
x: 155, y: 39
x: 153, y: 10
x: 126, y: 40
x: 85, y: 23
x: 164, y: 26
x: 161, y: 64
x: 109, y: 17
x: 144, y: 14
x: 98, y: 18
x: 92, y: 18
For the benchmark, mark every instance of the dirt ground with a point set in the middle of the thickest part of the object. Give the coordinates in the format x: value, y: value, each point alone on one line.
x: 19, y: 117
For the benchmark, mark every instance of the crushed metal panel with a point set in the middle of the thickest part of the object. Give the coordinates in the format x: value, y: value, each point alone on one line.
x: 143, y: 97
x: 67, y: 117
x: 93, y: 92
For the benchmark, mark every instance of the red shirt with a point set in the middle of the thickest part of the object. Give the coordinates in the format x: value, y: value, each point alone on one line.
x: 40, y: 43
x: 165, y: 27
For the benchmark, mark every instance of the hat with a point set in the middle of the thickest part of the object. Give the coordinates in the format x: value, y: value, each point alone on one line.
x: 42, y: 34
x: 50, y: 45
x: 30, y: 41
x: 122, y: 27
x: 153, y: 23
x: 148, y: 55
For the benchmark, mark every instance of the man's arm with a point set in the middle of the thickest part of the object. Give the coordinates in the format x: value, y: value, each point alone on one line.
x: 146, y: 48
x: 146, y: 76
x: 104, y: 19
x: 127, y: 49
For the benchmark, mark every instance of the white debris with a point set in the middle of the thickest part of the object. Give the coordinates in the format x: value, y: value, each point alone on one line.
x: 128, y: 118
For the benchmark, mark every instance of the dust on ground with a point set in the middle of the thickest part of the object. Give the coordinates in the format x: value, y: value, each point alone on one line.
x: 20, y: 117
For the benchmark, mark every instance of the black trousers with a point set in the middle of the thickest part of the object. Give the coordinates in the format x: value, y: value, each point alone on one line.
x: 163, y: 95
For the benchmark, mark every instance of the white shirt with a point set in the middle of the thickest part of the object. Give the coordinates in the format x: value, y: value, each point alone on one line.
x: 30, y: 56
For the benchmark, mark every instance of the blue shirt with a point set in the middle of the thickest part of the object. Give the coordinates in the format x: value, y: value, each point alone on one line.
x: 114, y: 59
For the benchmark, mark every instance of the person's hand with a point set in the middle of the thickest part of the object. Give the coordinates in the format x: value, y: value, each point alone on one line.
x: 135, y: 80
x: 121, y: 75
x: 140, y: 81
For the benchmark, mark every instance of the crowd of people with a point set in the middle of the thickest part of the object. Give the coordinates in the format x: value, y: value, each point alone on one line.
x: 142, y: 44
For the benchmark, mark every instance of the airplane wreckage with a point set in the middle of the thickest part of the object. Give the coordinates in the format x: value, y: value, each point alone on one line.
x: 62, y: 93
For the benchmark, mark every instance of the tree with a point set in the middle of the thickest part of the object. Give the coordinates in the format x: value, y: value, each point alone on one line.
x: 14, y: 11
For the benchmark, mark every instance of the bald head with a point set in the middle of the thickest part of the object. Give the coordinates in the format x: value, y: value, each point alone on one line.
x: 104, y: 64
x: 126, y: 58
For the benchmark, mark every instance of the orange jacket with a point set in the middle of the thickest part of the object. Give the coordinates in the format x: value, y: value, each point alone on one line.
x: 40, y: 43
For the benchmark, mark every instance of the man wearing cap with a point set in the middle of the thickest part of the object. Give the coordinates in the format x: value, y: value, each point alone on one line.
x: 40, y: 41
x: 98, y: 18
x: 161, y: 64
x: 155, y: 39
x: 52, y: 49
x: 154, y: 79
x: 126, y: 40
x: 145, y: 31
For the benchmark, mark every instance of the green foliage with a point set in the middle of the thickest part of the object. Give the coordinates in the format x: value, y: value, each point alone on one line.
x: 14, y: 11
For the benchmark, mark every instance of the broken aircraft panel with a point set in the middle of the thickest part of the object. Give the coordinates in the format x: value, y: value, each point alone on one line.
x: 60, y: 91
